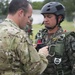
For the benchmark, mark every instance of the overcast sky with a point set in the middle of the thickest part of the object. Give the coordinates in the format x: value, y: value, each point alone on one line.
x: 36, y: 0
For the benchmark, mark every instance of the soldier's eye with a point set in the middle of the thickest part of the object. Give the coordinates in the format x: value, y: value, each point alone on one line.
x: 49, y: 16
x: 44, y: 16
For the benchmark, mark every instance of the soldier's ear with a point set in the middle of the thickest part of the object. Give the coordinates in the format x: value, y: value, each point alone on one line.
x: 21, y: 13
x: 59, y: 18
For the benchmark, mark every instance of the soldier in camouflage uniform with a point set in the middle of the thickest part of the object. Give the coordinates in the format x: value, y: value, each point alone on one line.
x: 61, y: 57
x: 28, y: 28
x: 17, y: 54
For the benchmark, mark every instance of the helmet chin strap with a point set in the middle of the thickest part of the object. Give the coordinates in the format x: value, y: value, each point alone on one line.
x: 50, y: 28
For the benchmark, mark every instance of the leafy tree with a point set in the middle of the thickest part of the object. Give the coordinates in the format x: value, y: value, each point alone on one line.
x: 70, y: 8
x: 1, y: 7
x: 4, y: 7
x: 46, y: 1
x: 37, y: 5
x: 5, y: 11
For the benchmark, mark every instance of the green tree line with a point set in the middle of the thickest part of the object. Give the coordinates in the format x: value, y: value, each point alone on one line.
x: 4, y: 7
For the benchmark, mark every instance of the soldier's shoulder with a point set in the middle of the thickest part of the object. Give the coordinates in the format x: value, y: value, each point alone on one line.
x: 68, y: 33
x: 11, y: 30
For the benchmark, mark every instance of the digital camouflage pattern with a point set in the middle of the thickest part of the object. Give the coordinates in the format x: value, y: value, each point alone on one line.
x: 28, y: 29
x: 61, y: 52
x: 17, y: 56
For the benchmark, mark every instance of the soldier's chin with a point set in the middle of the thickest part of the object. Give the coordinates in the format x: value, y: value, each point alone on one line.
x: 49, y: 28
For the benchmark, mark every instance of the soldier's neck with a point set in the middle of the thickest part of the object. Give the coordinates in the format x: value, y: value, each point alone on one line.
x: 13, y: 18
x: 52, y: 31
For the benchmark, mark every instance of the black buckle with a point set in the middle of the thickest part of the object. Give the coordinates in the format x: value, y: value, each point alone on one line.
x: 60, y: 72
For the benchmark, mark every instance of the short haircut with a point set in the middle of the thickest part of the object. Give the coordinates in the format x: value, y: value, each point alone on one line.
x: 16, y: 5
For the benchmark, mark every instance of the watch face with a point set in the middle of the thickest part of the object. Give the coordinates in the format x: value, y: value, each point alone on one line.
x: 57, y: 61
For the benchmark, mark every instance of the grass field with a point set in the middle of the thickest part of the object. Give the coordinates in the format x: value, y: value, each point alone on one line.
x: 68, y: 26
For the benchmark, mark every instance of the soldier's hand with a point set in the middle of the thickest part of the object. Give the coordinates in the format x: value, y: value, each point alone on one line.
x: 44, y: 50
x: 39, y: 46
x: 34, y: 45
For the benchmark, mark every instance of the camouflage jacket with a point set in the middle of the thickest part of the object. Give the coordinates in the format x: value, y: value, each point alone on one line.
x: 61, y: 50
x: 46, y: 38
x: 17, y: 53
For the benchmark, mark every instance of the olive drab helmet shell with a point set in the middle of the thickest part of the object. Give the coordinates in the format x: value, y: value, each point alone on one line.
x: 53, y: 8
